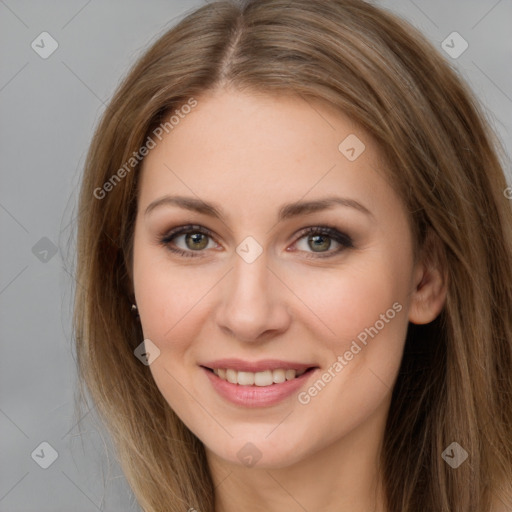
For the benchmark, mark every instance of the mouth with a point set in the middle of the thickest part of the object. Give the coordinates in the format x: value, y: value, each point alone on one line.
x: 258, y: 383
x: 261, y: 378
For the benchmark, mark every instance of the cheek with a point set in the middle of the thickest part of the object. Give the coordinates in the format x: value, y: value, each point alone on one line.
x: 170, y: 302
x: 366, y: 308
x: 168, y: 298
x: 342, y: 302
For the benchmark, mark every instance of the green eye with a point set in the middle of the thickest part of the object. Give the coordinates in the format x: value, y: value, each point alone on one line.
x: 197, y: 241
x: 319, y: 242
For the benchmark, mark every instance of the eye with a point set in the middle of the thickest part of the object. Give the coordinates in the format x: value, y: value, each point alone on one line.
x: 319, y: 240
x: 194, y: 238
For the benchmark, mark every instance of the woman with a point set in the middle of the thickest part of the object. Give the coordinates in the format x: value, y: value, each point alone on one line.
x: 295, y: 258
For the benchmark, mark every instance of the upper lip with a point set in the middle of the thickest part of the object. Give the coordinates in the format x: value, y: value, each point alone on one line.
x: 255, y: 366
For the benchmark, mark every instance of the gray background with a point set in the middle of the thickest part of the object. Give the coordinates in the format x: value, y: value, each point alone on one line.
x: 48, y: 110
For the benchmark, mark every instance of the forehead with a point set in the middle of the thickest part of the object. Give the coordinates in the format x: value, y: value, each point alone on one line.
x: 255, y: 149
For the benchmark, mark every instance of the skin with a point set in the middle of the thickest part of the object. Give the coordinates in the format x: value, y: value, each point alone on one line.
x: 251, y: 153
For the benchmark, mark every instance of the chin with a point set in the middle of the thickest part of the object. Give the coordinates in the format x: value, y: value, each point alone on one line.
x: 257, y: 450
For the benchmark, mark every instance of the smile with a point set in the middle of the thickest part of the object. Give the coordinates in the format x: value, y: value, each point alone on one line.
x: 256, y: 384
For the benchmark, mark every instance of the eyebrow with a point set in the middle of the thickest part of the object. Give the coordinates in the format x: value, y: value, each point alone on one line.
x: 287, y: 211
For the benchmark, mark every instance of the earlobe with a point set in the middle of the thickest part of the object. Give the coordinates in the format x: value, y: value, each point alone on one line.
x: 430, y: 284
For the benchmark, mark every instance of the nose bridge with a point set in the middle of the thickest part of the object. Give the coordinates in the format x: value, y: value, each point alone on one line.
x: 250, y: 304
x: 249, y: 283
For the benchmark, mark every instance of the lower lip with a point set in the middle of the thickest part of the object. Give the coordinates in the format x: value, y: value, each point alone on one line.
x: 256, y: 396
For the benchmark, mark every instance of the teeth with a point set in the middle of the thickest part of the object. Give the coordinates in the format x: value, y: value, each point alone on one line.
x: 231, y: 376
x: 265, y: 378
x: 245, y: 378
x: 279, y: 376
x: 290, y: 374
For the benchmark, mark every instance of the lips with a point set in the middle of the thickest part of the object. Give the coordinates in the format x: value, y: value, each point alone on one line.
x: 259, y: 383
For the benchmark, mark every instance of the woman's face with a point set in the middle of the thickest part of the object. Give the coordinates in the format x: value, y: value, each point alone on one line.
x: 242, y: 286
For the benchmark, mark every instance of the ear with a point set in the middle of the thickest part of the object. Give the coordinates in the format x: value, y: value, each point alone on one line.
x: 430, y: 282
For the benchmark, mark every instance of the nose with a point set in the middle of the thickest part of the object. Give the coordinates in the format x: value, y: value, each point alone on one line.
x: 252, y: 306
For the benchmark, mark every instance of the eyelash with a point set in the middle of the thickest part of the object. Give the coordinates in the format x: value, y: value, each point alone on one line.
x: 343, y: 239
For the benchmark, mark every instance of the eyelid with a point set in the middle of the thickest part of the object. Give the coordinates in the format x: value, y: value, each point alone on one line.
x: 325, y: 229
x: 185, y: 229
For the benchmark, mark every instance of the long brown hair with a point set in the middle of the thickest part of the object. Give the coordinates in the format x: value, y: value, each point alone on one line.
x: 455, y: 381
